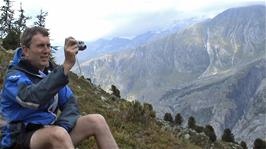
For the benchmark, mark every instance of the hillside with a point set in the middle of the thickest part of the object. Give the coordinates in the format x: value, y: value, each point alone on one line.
x: 133, y: 125
x: 234, y: 100
x: 213, y: 70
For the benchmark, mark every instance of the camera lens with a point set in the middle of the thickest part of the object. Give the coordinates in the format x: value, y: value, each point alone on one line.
x: 81, y: 46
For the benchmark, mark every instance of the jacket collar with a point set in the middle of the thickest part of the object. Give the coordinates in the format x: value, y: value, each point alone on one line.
x: 27, y: 66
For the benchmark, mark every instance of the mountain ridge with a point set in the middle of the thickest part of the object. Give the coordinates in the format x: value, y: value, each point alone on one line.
x: 208, y: 50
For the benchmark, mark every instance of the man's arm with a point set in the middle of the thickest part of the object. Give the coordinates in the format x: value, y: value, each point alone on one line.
x: 41, y: 93
x: 71, y: 49
x: 67, y: 101
x: 69, y: 109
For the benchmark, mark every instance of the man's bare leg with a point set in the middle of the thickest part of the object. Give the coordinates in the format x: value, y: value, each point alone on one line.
x: 93, y: 125
x: 52, y: 137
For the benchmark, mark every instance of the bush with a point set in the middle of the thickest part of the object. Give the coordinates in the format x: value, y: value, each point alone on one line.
x: 168, y: 117
x: 243, y: 145
x: 11, y: 41
x: 136, y: 112
x: 178, y: 119
x: 148, y: 109
x: 228, y: 136
x: 115, y: 91
x: 191, y: 122
x: 259, y: 144
x: 209, y: 131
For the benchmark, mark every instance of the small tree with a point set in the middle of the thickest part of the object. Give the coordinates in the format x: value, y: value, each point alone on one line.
x: 11, y: 28
x: 259, y: 144
x: 147, y: 106
x: 243, y: 145
x: 148, y: 109
x: 228, y: 136
x: 41, y: 19
x: 115, y: 91
x: 135, y: 112
x: 209, y: 131
x: 6, y: 18
x: 178, y: 119
x: 168, y: 117
x: 11, y: 41
x: 148, y: 113
x: 191, y: 122
x: 20, y: 23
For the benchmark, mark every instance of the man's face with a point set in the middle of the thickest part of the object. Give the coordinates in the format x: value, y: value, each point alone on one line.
x: 39, y: 51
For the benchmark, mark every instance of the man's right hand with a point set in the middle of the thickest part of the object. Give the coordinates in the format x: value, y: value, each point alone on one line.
x: 70, y: 48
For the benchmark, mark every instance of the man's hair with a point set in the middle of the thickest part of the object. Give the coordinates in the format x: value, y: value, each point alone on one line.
x: 26, y: 36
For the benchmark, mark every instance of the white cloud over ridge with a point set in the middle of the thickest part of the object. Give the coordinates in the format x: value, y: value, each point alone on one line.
x: 93, y: 19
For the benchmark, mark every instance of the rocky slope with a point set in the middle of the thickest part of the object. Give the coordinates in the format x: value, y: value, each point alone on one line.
x: 234, y: 100
x: 214, y: 70
x: 163, y: 63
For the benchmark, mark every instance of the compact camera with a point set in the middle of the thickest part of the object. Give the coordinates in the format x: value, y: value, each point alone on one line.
x: 81, y: 45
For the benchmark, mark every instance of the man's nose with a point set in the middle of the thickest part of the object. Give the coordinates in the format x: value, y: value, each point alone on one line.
x: 46, y: 49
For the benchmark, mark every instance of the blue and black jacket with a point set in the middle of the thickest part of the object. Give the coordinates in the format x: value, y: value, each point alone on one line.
x: 30, y: 96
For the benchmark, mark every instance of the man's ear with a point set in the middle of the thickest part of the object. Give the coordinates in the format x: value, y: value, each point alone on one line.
x: 26, y: 51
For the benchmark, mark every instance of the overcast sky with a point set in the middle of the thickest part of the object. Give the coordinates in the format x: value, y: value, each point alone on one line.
x: 93, y: 19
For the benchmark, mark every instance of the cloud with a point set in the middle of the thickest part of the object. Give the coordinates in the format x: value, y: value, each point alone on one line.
x: 143, y: 22
x: 93, y: 19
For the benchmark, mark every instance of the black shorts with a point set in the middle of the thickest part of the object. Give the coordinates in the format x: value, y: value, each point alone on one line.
x: 23, y: 139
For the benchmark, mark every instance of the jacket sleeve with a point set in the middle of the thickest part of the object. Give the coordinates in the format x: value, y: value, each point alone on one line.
x: 31, y: 95
x: 69, y: 109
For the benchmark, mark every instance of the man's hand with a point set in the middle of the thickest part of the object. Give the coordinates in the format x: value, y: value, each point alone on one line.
x: 70, y: 49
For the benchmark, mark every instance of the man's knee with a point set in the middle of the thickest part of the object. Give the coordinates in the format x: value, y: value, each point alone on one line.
x: 96, y: 120
x: 59, y: 134
x: 51, y: 137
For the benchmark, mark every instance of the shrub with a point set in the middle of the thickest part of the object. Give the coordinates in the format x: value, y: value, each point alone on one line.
x: 178, y: 119
x: 259, y: 144
x: 148, y: 109
x: 209, y: 131
x: 11, y: 41
x: 168, y: 117
x: 243, y: 145
x: 191, y: 122
x: 228, y: 136
x: 115, y: 91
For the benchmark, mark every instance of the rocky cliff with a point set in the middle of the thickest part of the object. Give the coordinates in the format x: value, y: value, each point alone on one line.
x: 213, y: 70
x: 234, y: 100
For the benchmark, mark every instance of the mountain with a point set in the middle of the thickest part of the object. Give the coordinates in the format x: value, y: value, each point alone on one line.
x: 213, y: 70
x: 234, y: 100
x: 104, y: 46
x: 182, y: 56
x: 147, y: 62
x: 236, y: 37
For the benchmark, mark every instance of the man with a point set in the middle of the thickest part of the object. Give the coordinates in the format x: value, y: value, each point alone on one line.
x: 34, y: 91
